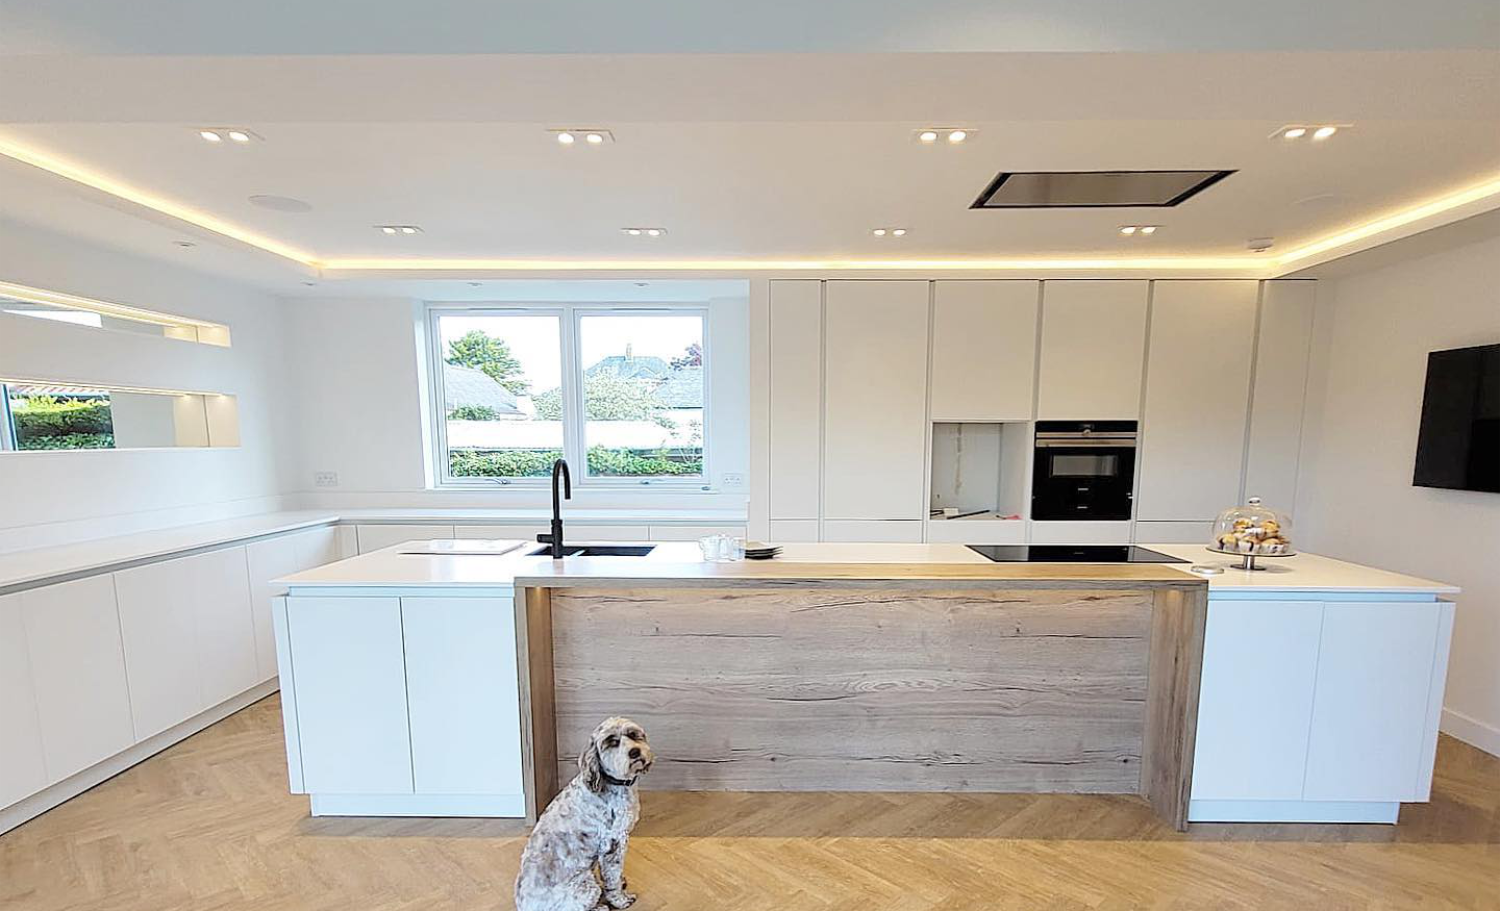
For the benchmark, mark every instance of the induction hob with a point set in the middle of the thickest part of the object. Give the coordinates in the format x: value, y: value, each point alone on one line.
x: 1070, y: 553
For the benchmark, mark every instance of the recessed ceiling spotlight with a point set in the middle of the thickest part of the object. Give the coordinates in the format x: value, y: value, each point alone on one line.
x: 210, y: 136
x: 1127, y: 229
x: 1318, y: 133
x: 219, y: 134
x: 1324, y: 132
x: 1148, y: 229
x: 893, y: 232
x: 239, y: 136
x: 408, y: 229
x: 954, y: 135
x: 387, y: 229
x: 878, y: 232
x: 591, y: 136
x: 899, y: 232
x: 398, y: 229
x: 1294, y: 133
x: 649, y: 232
x: 1138, y: 230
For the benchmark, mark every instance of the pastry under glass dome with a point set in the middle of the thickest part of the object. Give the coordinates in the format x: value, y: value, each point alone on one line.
x: 1252, y: 531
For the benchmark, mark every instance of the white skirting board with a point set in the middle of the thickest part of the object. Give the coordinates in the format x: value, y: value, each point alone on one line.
x: 503, y: 806
x: 1471, y: 731
x: 1293, y: 811
x: 65, y: 790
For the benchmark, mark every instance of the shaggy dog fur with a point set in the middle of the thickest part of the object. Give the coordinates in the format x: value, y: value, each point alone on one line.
x: 587, y: 826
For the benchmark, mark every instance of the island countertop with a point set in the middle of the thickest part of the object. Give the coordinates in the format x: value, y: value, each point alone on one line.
x: 676, y: 563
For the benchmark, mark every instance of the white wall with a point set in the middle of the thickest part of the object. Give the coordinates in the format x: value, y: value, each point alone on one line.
x: 58, y: 497
x: 361, y: 399
x: 1355, y: 497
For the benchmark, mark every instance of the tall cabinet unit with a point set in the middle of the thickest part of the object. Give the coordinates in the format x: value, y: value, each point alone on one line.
x: 1279, y: 397
x: 875, y: 409
x: 983, y: 349
x: 1093, y: 333
x: 1197, y: 399
x: 796, y: 413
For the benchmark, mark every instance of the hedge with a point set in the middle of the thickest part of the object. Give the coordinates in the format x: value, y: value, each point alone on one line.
x: 530, y: 463
x: 45, y: 422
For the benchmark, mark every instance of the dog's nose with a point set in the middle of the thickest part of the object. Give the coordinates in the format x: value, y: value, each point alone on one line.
x: 635, y: 752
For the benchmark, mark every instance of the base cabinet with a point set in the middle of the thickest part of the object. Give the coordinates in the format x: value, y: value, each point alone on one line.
x: 22, y: 770
x: 404, y: 706
x: 1318, y: 711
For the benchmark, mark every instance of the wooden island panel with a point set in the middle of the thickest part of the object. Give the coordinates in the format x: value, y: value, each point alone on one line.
x: 961, y: 685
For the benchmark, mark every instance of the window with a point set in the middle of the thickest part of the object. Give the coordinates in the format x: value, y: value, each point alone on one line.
x: 55, y: 417
x: 37, y: 415
x: 621, y: 393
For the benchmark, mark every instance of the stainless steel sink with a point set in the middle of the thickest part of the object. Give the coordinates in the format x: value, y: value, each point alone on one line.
x: 597, y: 550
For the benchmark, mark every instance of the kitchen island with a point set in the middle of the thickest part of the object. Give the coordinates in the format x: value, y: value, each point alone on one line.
x: 421, y: 684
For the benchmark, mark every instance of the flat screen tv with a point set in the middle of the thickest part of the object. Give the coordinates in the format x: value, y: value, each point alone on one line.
x: 1458, y: 446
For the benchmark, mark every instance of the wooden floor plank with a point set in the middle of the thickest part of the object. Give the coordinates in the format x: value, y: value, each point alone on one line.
x: 208, y: 825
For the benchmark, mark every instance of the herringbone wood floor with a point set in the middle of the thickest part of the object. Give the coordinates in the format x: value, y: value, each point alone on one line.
x: 209, y: 825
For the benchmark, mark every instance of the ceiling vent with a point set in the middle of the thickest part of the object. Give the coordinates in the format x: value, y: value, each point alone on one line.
x: 1094, y: 189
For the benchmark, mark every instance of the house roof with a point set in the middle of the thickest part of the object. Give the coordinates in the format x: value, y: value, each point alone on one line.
x: 681, y: 388
x: 471, y: 386
x: 630, y: 367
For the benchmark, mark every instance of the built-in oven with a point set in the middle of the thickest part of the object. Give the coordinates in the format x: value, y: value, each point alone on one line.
x: 1084, y: 470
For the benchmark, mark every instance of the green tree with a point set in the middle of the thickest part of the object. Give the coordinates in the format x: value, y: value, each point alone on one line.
x: 607, y: 398
x: 491, y: 355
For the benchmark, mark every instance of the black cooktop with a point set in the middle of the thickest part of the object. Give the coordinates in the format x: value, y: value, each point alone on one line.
x: 1070, y: 553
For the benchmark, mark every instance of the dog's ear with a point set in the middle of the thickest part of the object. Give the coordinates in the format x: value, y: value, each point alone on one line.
x: 591, y: 769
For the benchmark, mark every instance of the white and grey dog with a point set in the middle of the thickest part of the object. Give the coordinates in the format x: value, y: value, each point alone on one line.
x: 588, y: 824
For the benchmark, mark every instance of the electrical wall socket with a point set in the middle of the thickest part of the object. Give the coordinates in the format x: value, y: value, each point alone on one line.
x: 732, y: 480
x: 325, y: 479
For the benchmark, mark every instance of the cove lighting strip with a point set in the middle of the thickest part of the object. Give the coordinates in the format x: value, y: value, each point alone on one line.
x: 108, y: 387
x: 206, y: 332
x: 1469, y: 197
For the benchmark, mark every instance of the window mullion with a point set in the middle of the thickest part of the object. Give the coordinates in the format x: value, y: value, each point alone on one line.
x: 572, y: 396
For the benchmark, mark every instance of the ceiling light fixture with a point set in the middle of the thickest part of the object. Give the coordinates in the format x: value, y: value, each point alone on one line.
x: 239, y: 136
x: 398, y: 229
x: 217, y: 135
x: 878, y: 232
x: 1294, y: 133
x: 591, y: 136
x: 899, y: 232
x: 893, y: 232
x: 1138, y: 230
x: 649, y: 232
x: 954, y: 135
x: 1317, y: 133
x: 1127, y: 229
x: 1259, y: 244
x: 210, y: 136
x: 1324, y: 132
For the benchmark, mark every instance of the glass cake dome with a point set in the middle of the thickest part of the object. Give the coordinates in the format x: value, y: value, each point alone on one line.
x: 1252, y: 531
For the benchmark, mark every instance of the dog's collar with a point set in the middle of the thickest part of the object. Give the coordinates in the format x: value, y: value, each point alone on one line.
x: 617, y: 782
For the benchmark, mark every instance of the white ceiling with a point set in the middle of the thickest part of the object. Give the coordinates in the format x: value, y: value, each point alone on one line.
x: 733, y: 26
x: 737, y: 156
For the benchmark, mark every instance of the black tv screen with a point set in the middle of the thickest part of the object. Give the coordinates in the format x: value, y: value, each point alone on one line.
x: 1458, y: 446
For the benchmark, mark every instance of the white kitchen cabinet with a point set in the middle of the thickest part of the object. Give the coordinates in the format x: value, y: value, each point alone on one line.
x: 1281, y: 363
x: 1197, y: 397
x: 156, y: 604
x: 374, y: 537
x: 796, y: 390
x: 794, y: 531
x: 1255, y: 705
x: 274, y: 558
x: 1370, y: 711
x: 461, y: 688
x: 350, y: 680
x: 1079, y: 533
x: 875, y: 401
x: 78, y: 669
x: 1092, y: 351
x: 225, y: 624
x: 694, y: 532
x: 22, y: 768
x: 984, y: 350
x: 872, y: 531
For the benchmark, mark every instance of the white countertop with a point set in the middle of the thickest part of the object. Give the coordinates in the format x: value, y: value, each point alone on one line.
x: 88, y: 557
x: 390, y: 568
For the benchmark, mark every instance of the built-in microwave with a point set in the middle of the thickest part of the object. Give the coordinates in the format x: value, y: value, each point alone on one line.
x: 1084, y: 470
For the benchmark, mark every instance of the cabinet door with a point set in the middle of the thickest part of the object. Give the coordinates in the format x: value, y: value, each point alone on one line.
x: 273, y: 558
x: 796, y: 384
x: 983, y: 350
x: 1197, y: 395
x: 462, y: 693
x: 160, y: 636
x: 1093, y: 346
x: 1260, y: 659
x: 889, y: 532
x: 1370, y: 709
x: 374, y: 537
x: 1281, y: 360
x: 78, y: 666
x: 794, y: 531
x: 22, y: 770
x: 875, y: 400
x: 225, y: 627
x: 351, y: 694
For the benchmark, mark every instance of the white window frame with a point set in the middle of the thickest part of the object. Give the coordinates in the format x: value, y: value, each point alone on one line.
x: 569, y: 317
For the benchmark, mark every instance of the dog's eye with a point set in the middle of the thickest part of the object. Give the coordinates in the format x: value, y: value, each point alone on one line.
x: 636, y: 735
x: 611, y: 742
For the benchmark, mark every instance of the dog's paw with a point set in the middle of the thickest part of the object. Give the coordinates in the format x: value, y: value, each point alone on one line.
x: 619, y: 899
